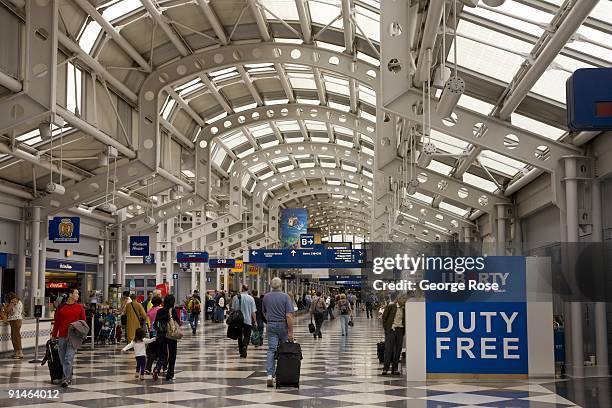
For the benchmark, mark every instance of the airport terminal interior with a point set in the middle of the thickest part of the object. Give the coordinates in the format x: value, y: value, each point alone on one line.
x: 415, y: 193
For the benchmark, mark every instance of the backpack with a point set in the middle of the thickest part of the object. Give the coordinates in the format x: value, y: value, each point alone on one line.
x: 343, y: 307
x: 235, y: 317
x: 320, y: 305
x: 196, y: 306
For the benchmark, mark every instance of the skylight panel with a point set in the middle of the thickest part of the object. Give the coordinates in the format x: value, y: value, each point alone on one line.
x: 422, y: 197
x: 280, y: 9
x: 334, y: 182
x: 216, y: 118
x: 286, y: 168
x: 329, y: 46
x: 120, y: 9
x: 370, y: 60
x: 306, y: 165
x: 323, y: 12
x: 221, y: 72
x: 336, y: 85
x: 454, y: 209
x: 439, y: 167
x: 448, y: 143
x: 602, y: 11
x: 294, y: 139
x: 479, y: 182
x: 276, y: 101
x: 73, y: 88
x: 89, y: 36
x: 245, y: 180
x: 367, y: 116
x: 342, y: 130
x: 487, y: 59
x: 343, y: 142
x: 288, y: 126
x: 475, y: 104
x: 368, y: 22
x: 188, y: 173
x: 308, y: 101
x: 592, y: 42
x: 366, y: 139
x: 367, y: 95
x: 367, y: 173
x: 245, y: 153
x: 302, y: 81
x: 319, y: 139
x: 219, y: 155
x: 314, y: 126
x: 328, y: 164
x: 552, y: 82
x: 168, y: 108
x: 244, y: 107
x: 532, y: 20
x: 261, y: 130
x: 258, y: 167
x: 501, y: 164
x: 266, y: 175
x: 367, y: 150
x: 269, y: 144
x: 339, y: 106
x: 348, y: 167
x: 536, y: 126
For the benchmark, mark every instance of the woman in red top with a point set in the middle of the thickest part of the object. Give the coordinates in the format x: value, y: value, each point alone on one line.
x: 65, y: 315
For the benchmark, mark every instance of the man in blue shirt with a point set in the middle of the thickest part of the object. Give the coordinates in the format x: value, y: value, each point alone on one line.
x: 278, y: 309
x: 246, y: 304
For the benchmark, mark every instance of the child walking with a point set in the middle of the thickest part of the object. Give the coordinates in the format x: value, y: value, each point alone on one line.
x: 139, y: 344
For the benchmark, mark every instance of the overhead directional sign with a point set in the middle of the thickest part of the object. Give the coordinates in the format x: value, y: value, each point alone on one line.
x: 192, y: 257
x: 214, y: 263
x: 307, y: 241
x: 307, y: 258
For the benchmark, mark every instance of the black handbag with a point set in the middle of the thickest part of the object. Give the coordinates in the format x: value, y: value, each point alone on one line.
x: 311, y: 326
x: 235, y: 317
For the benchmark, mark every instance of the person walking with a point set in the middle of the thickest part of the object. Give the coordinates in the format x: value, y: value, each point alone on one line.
x: 220, y: 305
x: 259, y: 316
x: 167, y: 348
x: 136, y: 317
x: 152, y: 349
x: 345, y: 311
x: 369, y: 305
x: 194, y: 308
x: 139, y: 344
x: 278, y: 311
x: 317, y: 311
x: 394, y: 323
x: 246, y: 304
x: 331, y: 305
x: 65, y: 315
x: 15, y: 318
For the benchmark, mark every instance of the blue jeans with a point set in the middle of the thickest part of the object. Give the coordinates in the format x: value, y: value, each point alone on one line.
x: 277, y: 334
x: 193, y: 321
x: 344, y: 319
x: 66, y: 355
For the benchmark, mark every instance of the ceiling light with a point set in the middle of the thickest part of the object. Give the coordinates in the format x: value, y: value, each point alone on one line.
x: 453, y: 89
x: 149, y: 220
x: 54, y: 188
x: 108, y: 207
x: 45, y: 130
x: 494, y: 3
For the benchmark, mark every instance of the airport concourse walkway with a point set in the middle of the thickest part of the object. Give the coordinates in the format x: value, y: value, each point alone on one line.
x: 336, y: 371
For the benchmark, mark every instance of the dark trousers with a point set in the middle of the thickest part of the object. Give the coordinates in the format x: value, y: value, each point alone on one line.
x: 369, y: 310
x: 244, y: 338
x: 319, y: 317
x: 166, y: 355
x: 140, y: 364
x: 394, y: 341
x: 330, y: 310
x: 152, y: 354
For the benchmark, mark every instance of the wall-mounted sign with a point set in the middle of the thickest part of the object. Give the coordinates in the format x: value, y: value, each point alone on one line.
x: 148, y: 259
x: 238, y: 267
x: 65, y: 230
x: 214, y: 263
x: 307, y: 241
x: 175, y: 276
x: 192, y: 257
x: 56, y: 285
x: 184, y: 265
x: 69, y: 266
x: 139, y: 245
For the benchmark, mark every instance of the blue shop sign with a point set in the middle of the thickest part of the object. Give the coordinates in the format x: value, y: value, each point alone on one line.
x: 3, y: 260
x: 59, y: 265
x: 139, y: 245
x: 65, y: 230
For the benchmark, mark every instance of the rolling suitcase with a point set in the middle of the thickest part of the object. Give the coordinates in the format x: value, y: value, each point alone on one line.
x: 380, y: 351
x: 53, y: 361
x: 289, y: 356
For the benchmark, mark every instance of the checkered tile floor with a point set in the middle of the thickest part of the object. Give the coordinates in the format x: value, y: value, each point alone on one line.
x: 336, y: 371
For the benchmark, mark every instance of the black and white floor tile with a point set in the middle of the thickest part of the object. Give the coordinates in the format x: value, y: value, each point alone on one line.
x: 336, y: 371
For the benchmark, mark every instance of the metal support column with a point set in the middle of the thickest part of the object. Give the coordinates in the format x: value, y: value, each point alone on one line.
x: 21, y: 260
x: 35, y: 240
x: 467, y: 235
x: 601, y: 324
x: 119, y: 256
x: 218, y: 271
x: 42, y: 261
x: 106, y: 278
x: 501, y: 230
x: 571, y: 196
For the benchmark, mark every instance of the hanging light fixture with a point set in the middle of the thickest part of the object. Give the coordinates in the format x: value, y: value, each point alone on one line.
x: 52, y: 187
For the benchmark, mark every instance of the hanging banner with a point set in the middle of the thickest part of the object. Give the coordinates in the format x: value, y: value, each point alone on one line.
x: 65, y: 230
x: 293, y: 223
x: 215, y: 263
x: 139, y: 245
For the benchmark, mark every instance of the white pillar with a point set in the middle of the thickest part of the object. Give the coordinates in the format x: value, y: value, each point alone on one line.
x: 601, y: 323
x: 35, y: 241
x: 106, y: 278
x: 571, y: 195
x: 42, y: 262
x: 21, y: 254
x: 218, y: 271
x: 226, y: 278
x: 119, y: 256
x: 467, y: 235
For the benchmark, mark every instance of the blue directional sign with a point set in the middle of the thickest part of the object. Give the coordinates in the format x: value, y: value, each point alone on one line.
x: 221, y: 263
x: 307, y: 241
x: 139, y: 245
x: 307, y: 258
x: 192, y: 257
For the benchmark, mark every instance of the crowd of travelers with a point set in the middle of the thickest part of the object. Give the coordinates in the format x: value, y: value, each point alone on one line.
x: 152, y: 328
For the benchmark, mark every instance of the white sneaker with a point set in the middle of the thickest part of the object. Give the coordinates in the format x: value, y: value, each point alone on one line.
x: 270, y: 381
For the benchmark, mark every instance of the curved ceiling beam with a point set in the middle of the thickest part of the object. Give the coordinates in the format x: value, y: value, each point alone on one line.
x: 296, y: 112
x: 210, y: 60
